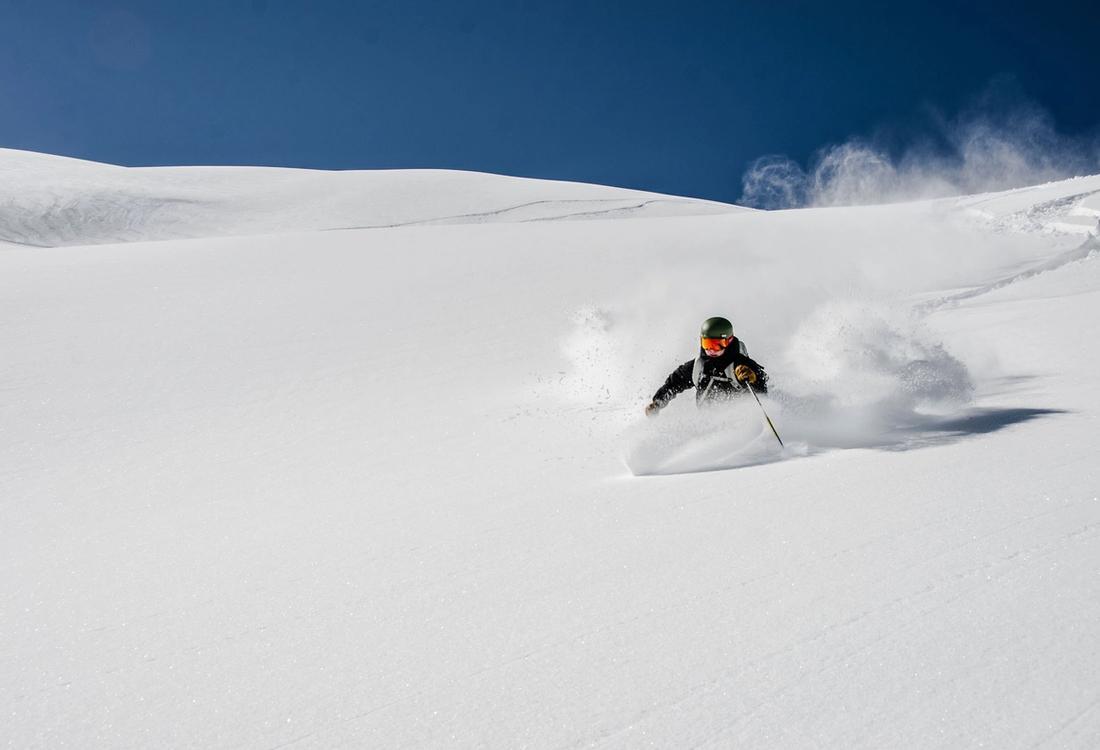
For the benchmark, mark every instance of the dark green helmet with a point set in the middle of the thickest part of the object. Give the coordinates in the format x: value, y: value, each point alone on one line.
x: 716, y: 328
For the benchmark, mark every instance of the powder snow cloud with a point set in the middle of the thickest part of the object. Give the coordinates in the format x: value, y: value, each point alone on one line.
x: 1001, y: 141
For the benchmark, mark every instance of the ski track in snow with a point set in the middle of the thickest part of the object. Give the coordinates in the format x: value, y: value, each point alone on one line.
x: 621, y: 210
x: 249, y: 502
x: 1062, y: 259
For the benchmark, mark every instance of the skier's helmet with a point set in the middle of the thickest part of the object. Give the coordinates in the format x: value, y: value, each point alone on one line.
x: 716, y: 328
x: 715, y: 335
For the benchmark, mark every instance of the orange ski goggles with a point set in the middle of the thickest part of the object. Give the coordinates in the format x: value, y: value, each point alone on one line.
x: 715, y: 344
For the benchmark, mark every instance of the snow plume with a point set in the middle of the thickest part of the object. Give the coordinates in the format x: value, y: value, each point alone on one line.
x: 862, y: 375
x: 685, y: 442
x: 856, y: 375
x: 1001, y: 142
x: 861, y: 353
x: 610, y: 361
x: 592, y: 353
x: 774, y: 181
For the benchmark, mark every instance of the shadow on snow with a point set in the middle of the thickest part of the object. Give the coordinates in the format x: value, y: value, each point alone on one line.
x: 737, y: 437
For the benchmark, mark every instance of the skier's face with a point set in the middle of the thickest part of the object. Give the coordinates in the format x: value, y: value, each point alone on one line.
x: 714, y: 347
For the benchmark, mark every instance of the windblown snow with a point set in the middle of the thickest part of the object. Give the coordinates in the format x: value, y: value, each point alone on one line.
x: 266, y: 484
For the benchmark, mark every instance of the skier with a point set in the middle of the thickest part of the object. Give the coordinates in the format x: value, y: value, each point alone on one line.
x: 721, y: 371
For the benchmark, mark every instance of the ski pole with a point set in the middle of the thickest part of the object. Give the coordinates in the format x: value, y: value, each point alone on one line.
x: 753, y: 392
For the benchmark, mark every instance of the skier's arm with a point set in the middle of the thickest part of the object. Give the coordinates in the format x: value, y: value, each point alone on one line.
x: 676, y: 383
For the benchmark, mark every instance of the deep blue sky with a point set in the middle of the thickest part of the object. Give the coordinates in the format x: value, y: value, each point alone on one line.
x: 674, y: 97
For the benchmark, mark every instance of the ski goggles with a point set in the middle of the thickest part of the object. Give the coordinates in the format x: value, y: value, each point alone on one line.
x: 708, y: 343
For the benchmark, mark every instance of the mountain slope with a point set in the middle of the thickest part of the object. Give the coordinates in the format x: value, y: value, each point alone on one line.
x: 367, y: 488
x: 50, y: 201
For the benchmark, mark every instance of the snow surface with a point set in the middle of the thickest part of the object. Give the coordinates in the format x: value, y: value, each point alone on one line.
x: 50, y: 201
x: 392, y: 487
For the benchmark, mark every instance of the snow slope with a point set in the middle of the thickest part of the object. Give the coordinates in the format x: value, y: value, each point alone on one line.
x: 49, y: 200
x: 372, y: 488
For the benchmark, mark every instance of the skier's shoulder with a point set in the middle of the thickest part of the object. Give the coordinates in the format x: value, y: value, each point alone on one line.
x: 741, y: 356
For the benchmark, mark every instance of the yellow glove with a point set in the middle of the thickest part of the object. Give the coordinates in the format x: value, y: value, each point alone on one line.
x: 745, y: 374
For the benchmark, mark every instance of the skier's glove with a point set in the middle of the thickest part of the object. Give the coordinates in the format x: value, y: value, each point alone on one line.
x: 652, y: 409
x: 745, y: 374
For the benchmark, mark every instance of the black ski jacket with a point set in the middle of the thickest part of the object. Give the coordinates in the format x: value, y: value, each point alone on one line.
x: 712, y: 377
